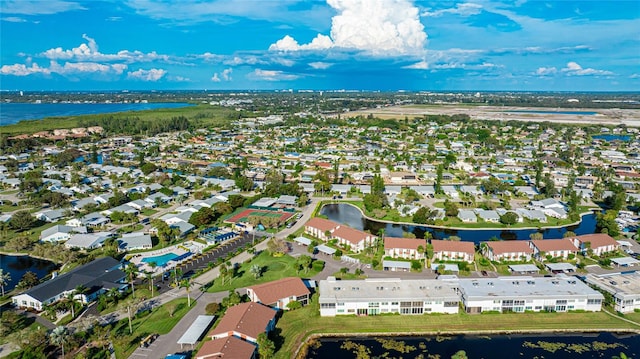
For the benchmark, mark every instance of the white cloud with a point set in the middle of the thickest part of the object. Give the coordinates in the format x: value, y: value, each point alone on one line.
x: 422, y: 65
x: 272, y: 75
x: 319, y: 65
x: 114, y: 18
x: 544, y: 71
x: 13, y: 19
x: 147, y: 75
x: 574, y: 69
x: 23, y: 70
x: 380, y: 27
x: 635, y: 76
x: 89, y: 52
x: 464, y: 9
x: 225, y: 75
x: 38, y: 7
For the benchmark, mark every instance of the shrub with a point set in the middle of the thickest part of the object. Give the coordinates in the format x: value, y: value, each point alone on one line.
x: 318, y: 265
x: 212, y: 308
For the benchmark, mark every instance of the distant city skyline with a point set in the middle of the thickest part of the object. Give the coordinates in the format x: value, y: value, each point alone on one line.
x: 385, y: 45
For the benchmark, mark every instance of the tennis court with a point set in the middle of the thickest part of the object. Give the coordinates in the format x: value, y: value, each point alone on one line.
x: 244, y: 215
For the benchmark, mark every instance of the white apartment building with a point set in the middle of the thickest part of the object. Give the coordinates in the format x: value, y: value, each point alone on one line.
x: 520, y: 294
x: 625, y: 289
x: 386, y: 295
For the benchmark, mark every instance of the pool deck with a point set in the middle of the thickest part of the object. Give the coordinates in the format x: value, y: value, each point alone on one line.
x: 177, y: 249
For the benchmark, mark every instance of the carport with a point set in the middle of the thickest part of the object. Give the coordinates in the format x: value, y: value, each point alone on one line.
x: 196, y: 330
x: 326, y: 249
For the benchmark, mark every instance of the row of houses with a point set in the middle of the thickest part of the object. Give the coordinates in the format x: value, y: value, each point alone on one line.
x: 411, y: 248
x: 476, y: 295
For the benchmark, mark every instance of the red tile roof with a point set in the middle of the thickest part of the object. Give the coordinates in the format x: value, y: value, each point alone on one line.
x: 501, y: 247
x: 322, y: 224
x: 598, y: 240
x: 404, y: 243
x: 229, y: 347
x: 269, y: 293
x: 249, y: 318
x: 350, y: 235
x: 453, y: 246
x: 548, y: 245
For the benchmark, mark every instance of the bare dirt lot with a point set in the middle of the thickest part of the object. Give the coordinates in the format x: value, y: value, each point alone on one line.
x: 628, y: 117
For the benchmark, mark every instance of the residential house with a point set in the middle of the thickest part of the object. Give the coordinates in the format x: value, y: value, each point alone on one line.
x: 453, y: 251
x: 599, y: 243
x: 245, y: 321
x: 487, y: 215
x: 97, y: 276
x: 407, y: 248
x: 556, y: 248
x: 87, y: 240
x: 354, y: 239
x: 520, y: 294
x: 135, y: 241
x: 624, y: 288
x: 467, y: 216
x: 375, y: 296
x: 507, y: 250
x: 50, y: 216
x: 319, y: 227
x: 229, y: 347
x: 278, y: 294
x: 59, y: 233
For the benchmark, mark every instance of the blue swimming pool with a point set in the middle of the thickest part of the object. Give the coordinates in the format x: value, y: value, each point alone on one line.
x: 161, y: 260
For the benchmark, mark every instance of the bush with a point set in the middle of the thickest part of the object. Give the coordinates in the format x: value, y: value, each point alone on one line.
x: 212, y: 308
x: 318, y: 265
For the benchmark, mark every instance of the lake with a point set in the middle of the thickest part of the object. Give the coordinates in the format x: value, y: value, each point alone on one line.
x: 351, y: 216
x: 577, y: 113
x: 547, y: 346
x: 15, y: 112
x: 17, y: 266
x: 610, y: 138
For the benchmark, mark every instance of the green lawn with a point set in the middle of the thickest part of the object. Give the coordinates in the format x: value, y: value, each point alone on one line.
x: 273, y: 268
x: 160, y: 321
x: 295, y: 326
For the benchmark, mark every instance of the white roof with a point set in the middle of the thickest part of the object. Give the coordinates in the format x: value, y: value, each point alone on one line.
x: 303, y: 240
x: 625, y: 261
x: 325, y: 249
x: 396, y: 264
x: 523, y: 268
x: 196, y: 330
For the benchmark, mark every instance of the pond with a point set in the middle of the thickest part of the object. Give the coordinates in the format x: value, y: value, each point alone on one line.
x: 548, y: 346
x: 611, y: 138
x: 17, y: 266
x: 351, y: 216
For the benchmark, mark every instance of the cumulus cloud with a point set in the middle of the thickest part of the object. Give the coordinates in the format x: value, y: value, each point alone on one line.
x: 464, y: 9
x: 379, y: 27
x: 147, y: 75
x: 319, y: 65
x: 544, y: 71
x: 574, y: 69
x: 272, y: 75
x: 89, y: 52
x: 23, y: 70
x: 225, y: 75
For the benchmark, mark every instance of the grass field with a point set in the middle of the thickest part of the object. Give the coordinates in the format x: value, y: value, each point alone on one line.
x: 159, y: 321
x: 199, y: 115
x: 273, y: 268
x: 295, y: 326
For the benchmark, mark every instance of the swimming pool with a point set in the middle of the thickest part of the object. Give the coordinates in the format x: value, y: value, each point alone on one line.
x: 161, y: 260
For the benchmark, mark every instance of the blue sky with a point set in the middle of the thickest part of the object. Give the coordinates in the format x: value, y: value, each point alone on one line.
x: 332, y: 44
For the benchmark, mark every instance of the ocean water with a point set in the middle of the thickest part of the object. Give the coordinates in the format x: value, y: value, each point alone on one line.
x: 14, y: 112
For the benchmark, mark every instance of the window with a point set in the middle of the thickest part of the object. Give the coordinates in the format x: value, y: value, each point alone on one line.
x: 327, y: 305
x: 594, y: 301
x: 450, y: 304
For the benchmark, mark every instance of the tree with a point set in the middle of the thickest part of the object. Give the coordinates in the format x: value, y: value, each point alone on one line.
x: 538, y: 175
x: 293, y: 305
x: 21, y: 220
x: 203, y: 217
x: 305, y: 262
x: 148, y: 167
x: 606, y: 223
x: 438, y: 184
x: 5, y: 278
x: 509, y: 218
x: 224, y: 272
x: 186, y: 284
x: 256, y: 270
x: 450, y: 208
x: 29, y: 279
x: 132, y: 272
x: 59, y: 336
x: 266, y: 347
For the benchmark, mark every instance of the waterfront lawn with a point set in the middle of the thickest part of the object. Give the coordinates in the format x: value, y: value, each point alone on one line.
x: 295, y: 326
x: 161, y: 320
x: 273, y: 268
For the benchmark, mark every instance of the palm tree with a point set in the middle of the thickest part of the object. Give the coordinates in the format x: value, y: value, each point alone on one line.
x: 130, y: 304
x: 132, y: 271
x: 186, y: 284
x: 5, y: 278
x: 59, y: 336
x: 224, y: 271
x: 256, y: 270
x: 149, y: 276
